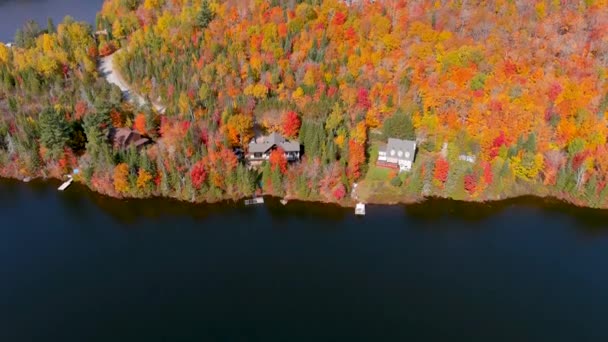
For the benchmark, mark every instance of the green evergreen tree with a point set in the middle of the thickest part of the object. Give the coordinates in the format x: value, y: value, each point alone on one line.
x: 265, y: 175
x: 399, y: 126
x: 50, y: 26
x: 205, y: 16
x: 54, y: 131
x: 96, y: 128
x: 277, y: 182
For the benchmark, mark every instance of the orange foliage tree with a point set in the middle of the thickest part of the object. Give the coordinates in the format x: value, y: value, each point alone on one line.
x: 121, y: 178
x: 278, y: 160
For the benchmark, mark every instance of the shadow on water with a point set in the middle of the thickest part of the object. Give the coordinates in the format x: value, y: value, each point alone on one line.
x: 134, y: 211
x: 305, y: 210
x: 435, y: 212
x: 588, y: 220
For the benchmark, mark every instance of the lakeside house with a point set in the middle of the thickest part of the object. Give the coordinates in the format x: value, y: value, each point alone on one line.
x: 124, y: 138
x: 397, y: 154
x: 260, y: 148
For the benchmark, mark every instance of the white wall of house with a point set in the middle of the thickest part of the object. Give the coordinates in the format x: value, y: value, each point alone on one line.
x: 382, y: 156
x: 405, y: 165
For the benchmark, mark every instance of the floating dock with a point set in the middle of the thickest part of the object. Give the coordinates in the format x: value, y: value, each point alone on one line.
x: 66, y: 184
x: 360, y: 209
x: 253, y: 201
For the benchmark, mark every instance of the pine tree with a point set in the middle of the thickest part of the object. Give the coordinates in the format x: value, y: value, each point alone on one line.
x: 54, y: 132
x: 96, y: 128
x: 205, y: 16
x: 399, y: 126
x: 50, y: 26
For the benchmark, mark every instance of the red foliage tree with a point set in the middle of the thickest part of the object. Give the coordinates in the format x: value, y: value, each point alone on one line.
x: 291, y: 124
x: 363, y: 101
x: 339, y: 192
x: 278, y: 160
x: 442, y: 167
x: 578, y: 159
x: 554, y: 90
x: 498, y: 142
x: 198, y: 174
x: 339, y: 18
x: 470, y: 183
x: 488, y: 175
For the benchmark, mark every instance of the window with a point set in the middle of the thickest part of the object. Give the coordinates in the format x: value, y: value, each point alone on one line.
x: 392, y: 153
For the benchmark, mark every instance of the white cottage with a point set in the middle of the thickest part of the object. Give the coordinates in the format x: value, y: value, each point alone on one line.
x: 397, y: 154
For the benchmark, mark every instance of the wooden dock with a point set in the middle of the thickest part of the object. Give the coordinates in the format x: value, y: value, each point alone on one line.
x: 66, y: 184
x: 253, y: 201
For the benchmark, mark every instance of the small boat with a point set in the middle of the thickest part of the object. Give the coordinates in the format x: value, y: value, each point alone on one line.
x: 360, y: 209
x: 284, y: 201
x: 255, y: 200
x: 27, y: 179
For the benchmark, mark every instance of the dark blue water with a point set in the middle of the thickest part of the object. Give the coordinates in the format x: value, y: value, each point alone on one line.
x: 14, y: 13
x: 79, y: 267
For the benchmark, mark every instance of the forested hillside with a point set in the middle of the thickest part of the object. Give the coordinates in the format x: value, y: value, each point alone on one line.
x: 518, y: 87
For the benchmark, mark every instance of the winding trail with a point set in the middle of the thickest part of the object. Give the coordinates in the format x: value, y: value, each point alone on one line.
x: 109, y: 71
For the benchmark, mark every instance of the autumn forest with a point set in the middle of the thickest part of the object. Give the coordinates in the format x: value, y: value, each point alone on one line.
x: 504, y: 98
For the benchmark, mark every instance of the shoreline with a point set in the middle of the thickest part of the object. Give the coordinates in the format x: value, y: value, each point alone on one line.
x: 344, y: 204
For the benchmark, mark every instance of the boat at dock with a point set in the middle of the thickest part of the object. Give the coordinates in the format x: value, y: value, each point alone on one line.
x: 360, y: 209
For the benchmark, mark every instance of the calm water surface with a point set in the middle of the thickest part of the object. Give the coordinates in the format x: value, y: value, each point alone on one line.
x: 14, y: 13
x: 75, y: 266
x: 80, y: 267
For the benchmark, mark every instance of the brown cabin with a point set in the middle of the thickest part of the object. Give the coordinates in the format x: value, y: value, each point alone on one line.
x: 124, y: 138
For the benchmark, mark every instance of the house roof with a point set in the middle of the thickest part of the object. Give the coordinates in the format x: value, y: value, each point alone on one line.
x: 275, y: 138
x: 125, y: 137
x: 401, y: 149
x: 264, y: 144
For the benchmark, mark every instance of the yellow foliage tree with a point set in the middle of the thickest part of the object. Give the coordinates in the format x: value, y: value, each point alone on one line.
x: 359, y: 134
x: 240, y: 129
x: 46, y: 65
x: 4, y: 53
x: 528, y: 166
x: 143, y: 179
x: 121, y: 178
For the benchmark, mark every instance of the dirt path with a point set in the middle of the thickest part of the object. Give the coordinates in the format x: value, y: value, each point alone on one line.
x: 111, y: 74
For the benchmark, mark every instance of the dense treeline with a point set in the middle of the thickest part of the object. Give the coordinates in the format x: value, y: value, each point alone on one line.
x: 504, y: 99
x: 49, y: 94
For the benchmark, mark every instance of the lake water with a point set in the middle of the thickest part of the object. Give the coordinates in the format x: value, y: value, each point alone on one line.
x: 14, y: 13
x: 76, y: 266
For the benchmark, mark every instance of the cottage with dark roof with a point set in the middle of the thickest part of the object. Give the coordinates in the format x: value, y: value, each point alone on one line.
x: 260, y: 148
x: 124, y: 138
x: 397, y: 154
